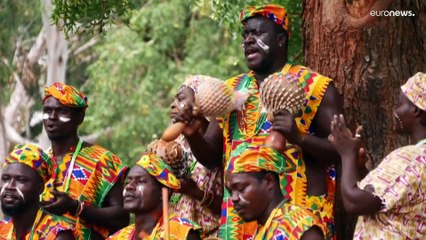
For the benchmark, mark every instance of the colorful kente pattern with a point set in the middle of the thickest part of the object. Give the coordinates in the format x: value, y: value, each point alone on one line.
x: 157, y: 168
x: 67, y: 95
x: 47, y: 228
x: 32, y: 156
x: 95, y: 172
x: 287, y: 222
x: 273, y: 12
x: 179, y: 229
x: 251, y: 126
x: 255, y: 158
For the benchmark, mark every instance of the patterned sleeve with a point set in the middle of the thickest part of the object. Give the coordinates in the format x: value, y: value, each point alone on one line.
x: 397, y: 177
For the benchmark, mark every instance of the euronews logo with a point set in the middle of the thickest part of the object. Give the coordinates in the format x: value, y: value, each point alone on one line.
x: 392, y: 13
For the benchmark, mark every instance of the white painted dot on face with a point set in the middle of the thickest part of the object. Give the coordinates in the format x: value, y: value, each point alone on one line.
x: 64, y: 119
x: 45, y: 116
x: 124, y: 192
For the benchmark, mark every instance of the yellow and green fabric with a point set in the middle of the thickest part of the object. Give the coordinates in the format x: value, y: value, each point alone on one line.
x: 46, y: 227
x: 179, y: 229
x: 250, y: 125
x: 287, y: 222
x: 159, y: 169
x: 95, y: 172
x: 32, y: 156
x: 255, y: 158
x: 66, y: 95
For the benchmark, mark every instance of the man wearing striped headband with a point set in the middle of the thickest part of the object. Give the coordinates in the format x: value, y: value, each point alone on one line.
x: 309, y: 154
x: 25, y: 171
x: 143, y: 197
x: 252, y: 181
x: 87, y: 182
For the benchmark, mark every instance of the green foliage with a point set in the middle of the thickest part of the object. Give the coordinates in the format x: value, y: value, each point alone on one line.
x: 139, y: 69
x: 20, y: 22
x: 89, y: 15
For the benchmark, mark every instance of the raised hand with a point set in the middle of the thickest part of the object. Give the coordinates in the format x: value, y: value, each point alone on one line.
x: 62, y: 204
x: 345, y: 142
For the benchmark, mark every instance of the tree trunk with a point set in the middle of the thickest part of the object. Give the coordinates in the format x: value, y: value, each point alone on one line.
x: 369, y: 57
x: 57, y: 56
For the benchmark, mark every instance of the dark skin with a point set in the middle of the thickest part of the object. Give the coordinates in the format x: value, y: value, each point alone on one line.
x: 143, y: 197
x: 188, y: 186
x: 358, y: 201
x: 318, y: 151
x: 63, y: 136
x: 245, y: 190
x: 21, y: 176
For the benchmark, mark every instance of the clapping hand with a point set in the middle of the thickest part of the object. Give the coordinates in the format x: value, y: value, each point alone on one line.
x: 346, y: 143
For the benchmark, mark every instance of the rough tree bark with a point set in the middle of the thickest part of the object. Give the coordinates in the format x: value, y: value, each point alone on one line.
x: 369, y: 57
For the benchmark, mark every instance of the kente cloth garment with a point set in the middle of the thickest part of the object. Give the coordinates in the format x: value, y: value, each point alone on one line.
x: 179, y: 229
x: 188, y: 207
x: 415, y: 90
x: 32, y: 156
x: 287, y: 222
x: 255, y: 158
x: 66, y: 95
x: 400, y: 182
x: 94, y: 173
x: 273, y: 12
x: 46, y: 227
x: 251, y: 126
x: 157, y: 168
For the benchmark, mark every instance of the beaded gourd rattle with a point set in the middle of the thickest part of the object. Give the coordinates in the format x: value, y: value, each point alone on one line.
x: 212, y: 98
x: 280, y: 92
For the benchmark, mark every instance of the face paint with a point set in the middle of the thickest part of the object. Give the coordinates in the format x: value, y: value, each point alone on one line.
x: 124, y: 192
x: 45, y: 116
x: 64, y: 119
x: 140, y: 190
x: 262, y: 45
x: 243, y: 200
x: 401, y: 126
x: 17, y: 189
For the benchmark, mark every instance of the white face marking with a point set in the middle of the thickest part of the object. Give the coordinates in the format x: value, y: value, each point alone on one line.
x: 16, y: 188
x: 21, y: 194
x: 64, y: 119
x: 262, y: 45
x: 245, y: 201
x: 140, y: 190
x: 124, y: 192
x: 3, y: 188
x: 45, y: 116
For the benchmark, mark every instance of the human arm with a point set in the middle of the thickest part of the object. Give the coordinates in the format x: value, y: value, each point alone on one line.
x: 205, y: 139
x: 65, y: 235
x: 313, y: 233
x: 190, y: 188
x: 317, y: 145
x: 193, y: 235
x: 355, y: 200
x: 112, y: 209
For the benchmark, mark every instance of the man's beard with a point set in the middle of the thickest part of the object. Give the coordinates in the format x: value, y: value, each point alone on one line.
x: 18, y: 209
